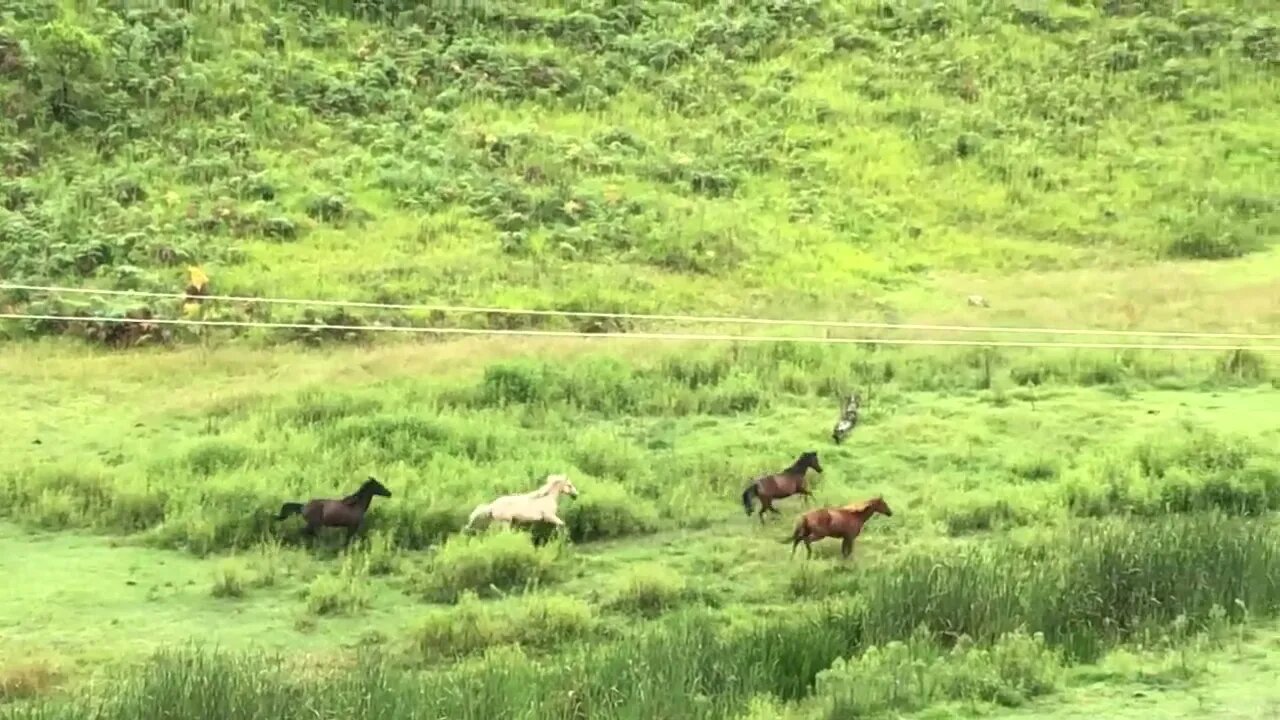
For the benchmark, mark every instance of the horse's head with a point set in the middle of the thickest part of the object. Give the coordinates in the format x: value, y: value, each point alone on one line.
x: 373, y: 487
x: 873, y: 505
x: 562, y: 484
x: 877, y: 504
x: 809, y: 459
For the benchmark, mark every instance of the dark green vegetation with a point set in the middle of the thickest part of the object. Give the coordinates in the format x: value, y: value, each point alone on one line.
x: 1058, y: 513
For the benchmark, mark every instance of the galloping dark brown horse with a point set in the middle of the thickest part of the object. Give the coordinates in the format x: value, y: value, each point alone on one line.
x: 842, y: 522
x: 347, y: 512
x: 784, y: 484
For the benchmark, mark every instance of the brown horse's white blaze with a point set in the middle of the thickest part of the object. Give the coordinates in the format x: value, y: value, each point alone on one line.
x: 843, y: 522
x: 789, y: 482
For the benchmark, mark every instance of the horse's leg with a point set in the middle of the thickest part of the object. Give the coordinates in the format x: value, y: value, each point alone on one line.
x: 559, y: 524
x: 774, y: 510
x: 766, y: 504
x: 846, y: 547
x: 808, y: 548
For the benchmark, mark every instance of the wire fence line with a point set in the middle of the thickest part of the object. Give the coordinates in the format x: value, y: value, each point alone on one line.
x: 690, y: 319
x: 710, y: 337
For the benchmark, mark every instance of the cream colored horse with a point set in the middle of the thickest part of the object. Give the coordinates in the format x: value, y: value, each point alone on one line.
x: 539, y: 505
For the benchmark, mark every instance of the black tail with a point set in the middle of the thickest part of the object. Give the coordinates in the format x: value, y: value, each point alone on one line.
x: 289, y: 509
x: 747, y: 494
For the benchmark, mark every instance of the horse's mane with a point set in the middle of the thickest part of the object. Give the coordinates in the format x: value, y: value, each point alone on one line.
x: 860, y: 506
x: 552, y: 481
x: 799, y: 463
x: 354, y: 497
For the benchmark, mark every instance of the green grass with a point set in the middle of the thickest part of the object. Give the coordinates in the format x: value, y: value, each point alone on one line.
x: 806, y: 158
x: 667, y: 445
x: 1179, y: 579
x: 1005, y: 495
x: 1071, y: 527
x: 1232, y: 682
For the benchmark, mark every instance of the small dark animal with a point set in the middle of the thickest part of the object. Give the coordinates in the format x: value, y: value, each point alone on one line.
x: 784, y: 484
x: 848, y: 419
x: 842, y: 522
x: 348, y: 512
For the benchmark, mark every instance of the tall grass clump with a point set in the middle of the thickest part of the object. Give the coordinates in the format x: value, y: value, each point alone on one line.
x: 602, y: 511
x: 231, y: 579
x: 1085, y: 587
x: 912, y: 674
x: 494, y: 563
x: 533, y: 622
x: 647, y: 590
x: 1184, y: 469
x: 345, y: 592
x: 992, y: 510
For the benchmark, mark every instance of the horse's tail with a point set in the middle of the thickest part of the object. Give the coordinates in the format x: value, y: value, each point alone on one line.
x: 801, y: 530
x: 289, y: 508
x: 747, y: 494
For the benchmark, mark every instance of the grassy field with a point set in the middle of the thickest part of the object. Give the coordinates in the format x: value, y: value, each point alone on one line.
x: 1074, y: 531
x: 1121, y: 503
x: 803, y: 158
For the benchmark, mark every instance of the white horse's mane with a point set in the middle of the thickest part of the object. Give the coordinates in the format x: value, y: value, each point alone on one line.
x: 552, y: 481
x: 531, y: 506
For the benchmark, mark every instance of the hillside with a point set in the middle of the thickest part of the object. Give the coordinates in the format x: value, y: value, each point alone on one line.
x: 798, y: 158
x: 1074, y: 530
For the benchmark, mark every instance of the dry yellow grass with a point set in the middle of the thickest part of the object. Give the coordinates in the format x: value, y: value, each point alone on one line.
x: 26, y: 679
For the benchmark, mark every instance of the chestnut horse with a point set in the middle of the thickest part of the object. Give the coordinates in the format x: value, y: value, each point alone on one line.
x: 347, y: 512
x: 842, y: 522
x: 784, y: 484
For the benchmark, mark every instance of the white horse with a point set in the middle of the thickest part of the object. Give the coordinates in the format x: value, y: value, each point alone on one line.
x: 539, y: 505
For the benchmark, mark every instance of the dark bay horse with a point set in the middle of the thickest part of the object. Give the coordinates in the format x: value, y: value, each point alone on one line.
x: 347, y: 512
x: 842, y: 522
x: 784, y: 484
